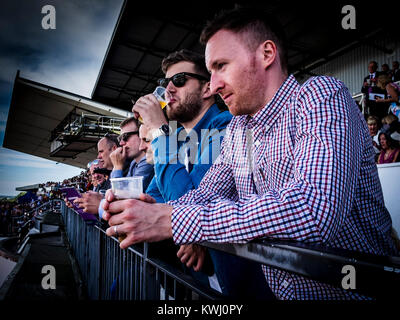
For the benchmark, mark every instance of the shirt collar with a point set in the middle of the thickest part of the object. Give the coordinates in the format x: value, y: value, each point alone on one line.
x: 202, y: 124
x: 134, y: 163
x: 271, y: 112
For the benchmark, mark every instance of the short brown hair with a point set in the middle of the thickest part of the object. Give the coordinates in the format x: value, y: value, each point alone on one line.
x: 128, y: 121
x: 257, y: 22
x: 186, y: 55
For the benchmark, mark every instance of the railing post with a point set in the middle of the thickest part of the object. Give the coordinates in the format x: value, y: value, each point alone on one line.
x: 143, y: 281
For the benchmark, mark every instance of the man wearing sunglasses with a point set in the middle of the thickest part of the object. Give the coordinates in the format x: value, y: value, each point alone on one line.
x: 191, y: 105
x: 129, y: 151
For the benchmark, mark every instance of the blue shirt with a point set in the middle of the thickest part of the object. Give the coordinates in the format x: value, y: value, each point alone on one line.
x: 182, y: 159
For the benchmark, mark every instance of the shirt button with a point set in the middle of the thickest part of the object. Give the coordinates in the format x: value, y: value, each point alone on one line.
x: 257, y: 143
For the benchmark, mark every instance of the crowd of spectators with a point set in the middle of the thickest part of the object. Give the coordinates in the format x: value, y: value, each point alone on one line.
x: 13, y: 215
x: 15, y: 212
x: 381, y: 89
x: 385, y: 136
x: 382, y: 96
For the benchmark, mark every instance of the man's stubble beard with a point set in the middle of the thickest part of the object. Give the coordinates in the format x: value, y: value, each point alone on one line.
x: 187, y: 110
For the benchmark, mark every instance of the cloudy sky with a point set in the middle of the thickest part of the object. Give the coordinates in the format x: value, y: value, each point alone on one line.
x: 68, y: 57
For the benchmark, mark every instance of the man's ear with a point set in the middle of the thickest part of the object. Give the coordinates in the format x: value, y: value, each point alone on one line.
x: 268, y: 52
x: 206, y: 91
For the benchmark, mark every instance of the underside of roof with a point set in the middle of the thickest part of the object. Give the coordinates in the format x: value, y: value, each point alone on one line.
x: 48, y: 122
x: 144, y: 37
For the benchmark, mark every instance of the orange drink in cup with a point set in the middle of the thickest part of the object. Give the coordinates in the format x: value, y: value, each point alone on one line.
x: 159, y: 93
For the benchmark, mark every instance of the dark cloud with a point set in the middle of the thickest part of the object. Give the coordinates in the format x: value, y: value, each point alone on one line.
x: 83, y: 30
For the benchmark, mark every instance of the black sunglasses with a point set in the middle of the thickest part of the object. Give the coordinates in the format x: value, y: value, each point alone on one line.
x: 179, y: 79
x: 125, y: 136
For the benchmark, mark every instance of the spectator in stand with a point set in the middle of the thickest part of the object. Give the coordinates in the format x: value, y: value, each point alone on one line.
x: 371, y: 79
x: 388, y: 123
x: 369, y: 87
x: 105, y: 147
x: 391, y: 126
x: 385, y: 69
x: 129, y: 150
x: 395, y: 71
x: 90, y: 200
x: 129, y: 153
x: 288, y: 169
x: 145, y: 145
x: 391, y: 90
x: 99, y: 181
x: 390, y: 150
x: 373, y: 127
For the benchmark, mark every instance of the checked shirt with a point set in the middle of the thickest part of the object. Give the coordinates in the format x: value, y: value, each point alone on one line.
x: 302, y: 168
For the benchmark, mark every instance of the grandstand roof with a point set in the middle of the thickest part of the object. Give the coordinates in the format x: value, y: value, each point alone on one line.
x: 28, y: 188
x: 144, y: 35
x: 37, y: 109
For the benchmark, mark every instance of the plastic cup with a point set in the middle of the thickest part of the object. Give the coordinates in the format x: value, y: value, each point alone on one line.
x: 159, y: 93
x: 127, y: 187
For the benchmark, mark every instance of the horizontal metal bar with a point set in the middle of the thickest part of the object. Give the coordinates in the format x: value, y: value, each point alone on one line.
x: 376, y: 275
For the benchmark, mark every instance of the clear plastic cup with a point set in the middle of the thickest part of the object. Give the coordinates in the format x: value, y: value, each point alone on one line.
x: 159, y: 93
x: 127, y: 187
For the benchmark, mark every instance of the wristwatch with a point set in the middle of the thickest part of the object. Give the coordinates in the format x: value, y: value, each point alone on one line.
x: 164, y: 130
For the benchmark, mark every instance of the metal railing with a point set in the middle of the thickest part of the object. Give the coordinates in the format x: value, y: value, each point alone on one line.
x: 111, y: 273
x: 139, y: 276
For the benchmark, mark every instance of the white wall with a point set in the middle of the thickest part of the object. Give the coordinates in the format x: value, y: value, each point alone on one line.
x: 352, y: 67
x: 389, y: 174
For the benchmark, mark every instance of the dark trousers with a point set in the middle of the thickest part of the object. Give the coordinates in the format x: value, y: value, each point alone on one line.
x: 240, y: 278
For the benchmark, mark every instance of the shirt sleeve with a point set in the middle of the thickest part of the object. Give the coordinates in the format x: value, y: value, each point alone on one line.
x: 147, y: 171
x: 116, y: 174
x: 311, y: 207
x: 153, y: 191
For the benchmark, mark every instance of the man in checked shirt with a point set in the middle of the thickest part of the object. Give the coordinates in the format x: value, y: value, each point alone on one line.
x: 296, y: 162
